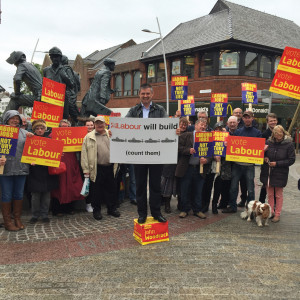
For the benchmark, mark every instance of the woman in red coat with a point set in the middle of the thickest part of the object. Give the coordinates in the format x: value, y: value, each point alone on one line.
x: 70, y: 183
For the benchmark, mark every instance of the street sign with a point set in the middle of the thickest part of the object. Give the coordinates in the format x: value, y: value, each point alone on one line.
x: 205, y: 91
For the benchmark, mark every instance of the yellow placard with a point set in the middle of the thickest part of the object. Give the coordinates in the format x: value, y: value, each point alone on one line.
x: 39, y: 161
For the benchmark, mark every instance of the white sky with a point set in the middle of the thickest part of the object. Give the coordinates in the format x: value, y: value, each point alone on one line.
x: 81, y: 27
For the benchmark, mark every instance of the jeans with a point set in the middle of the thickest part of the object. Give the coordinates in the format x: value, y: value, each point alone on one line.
x: 191, y: 180
x: 237, y: 172
x: 12, y: 187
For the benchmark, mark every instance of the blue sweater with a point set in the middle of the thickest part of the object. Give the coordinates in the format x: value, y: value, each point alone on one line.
x: 248, y: 132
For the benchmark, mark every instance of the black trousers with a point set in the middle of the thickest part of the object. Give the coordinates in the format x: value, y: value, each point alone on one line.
x: 206, y: 192
x: 141, y: 176
x: 103, y: 190
x: 243, y: 187
x: 221, y: 187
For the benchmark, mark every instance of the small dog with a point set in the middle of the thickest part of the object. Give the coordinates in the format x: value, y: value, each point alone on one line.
x: 261, y: 212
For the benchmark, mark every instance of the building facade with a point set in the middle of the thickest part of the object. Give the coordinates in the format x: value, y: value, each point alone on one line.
x: 231, y: 45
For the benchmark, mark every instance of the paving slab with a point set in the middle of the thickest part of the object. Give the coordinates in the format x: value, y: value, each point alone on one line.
x: 222, y: 257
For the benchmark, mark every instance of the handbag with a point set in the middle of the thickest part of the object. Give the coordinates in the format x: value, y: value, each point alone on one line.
x: 62, y: 168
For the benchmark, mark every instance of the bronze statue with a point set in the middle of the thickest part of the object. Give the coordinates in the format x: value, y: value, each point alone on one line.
x: 99, y: 93
x: 59, y: 73
x: 29, y: 74
x: 72, y: 92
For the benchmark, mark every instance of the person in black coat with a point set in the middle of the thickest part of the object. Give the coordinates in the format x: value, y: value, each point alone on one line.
x: 40, y: 183
x: 279, y: 155
x: 272, y: 120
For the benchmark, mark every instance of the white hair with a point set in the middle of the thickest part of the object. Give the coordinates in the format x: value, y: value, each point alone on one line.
x: 232, y: 118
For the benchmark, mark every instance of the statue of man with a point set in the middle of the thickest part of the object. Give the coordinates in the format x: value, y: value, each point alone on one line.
x: 99, y: 93
x: 72, y: 92
x: 29, y: 74
x: 57, y: 72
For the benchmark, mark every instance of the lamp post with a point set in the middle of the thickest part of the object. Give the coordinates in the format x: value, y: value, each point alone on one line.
x: 34, y: 51
x: 165, y: 62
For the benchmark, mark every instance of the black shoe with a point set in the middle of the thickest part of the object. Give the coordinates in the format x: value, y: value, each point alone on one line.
x: 97, y: 215
x: 228, y: 210
x: 142, y: 220
x: 133, y: 202
x: 46, y: 220
x: 160, y: 218
x: 33, y: 220
x: 221, y: 206
x: 215, y: 211
x: 114, y: 213
x: 241, y: 204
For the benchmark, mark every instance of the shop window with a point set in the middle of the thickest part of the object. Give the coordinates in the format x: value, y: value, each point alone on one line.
x: 127, y: 84
x: 160, y: 72
x: 136, y: 82
x: 207, y: 64
x: 265, y: 67
x: 188, y: 66
x: 276, y: 63
x: 228, y: 63
x: 151, y: 73
x: 176, y: 67
x: 251, y: 64
x: 118, y: 86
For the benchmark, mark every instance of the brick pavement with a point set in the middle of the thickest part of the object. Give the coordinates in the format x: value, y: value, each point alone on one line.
x: 222, y: 257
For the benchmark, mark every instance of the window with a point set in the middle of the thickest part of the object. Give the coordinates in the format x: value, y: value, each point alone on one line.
x: 127, y: 84
x: 251, y: 64
x: 277, y: 60
x: 206, y: 64
x: 188, y: 66
x: 136, y: 82
x: 265, y: 67
x: 176, y: 67
x: 118, y: 86
x: 161, y: 72
x: 151, y: 73
x: 228, y: 63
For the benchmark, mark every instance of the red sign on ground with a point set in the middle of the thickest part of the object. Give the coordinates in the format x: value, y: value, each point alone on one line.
x: 71, y: 136
x: 42, y: 151
x: 150, y: 232
x: 52, y: 114
x: 53, y: 92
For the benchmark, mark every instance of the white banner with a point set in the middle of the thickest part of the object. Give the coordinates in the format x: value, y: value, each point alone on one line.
x: 144, y: 141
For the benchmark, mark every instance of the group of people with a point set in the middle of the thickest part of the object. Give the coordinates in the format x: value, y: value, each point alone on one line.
x: 184, y: 179
x: 194, y: 188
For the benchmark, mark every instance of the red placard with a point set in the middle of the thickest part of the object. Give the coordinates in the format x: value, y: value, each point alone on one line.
x: 285, y: 83
x: 287, y: 77
x: 53, y: 92
x: 219, y: 97
x: 115, y: 114
x: 245, y: 149
x: 179, y: 81
x: 42, y: 151
x: 71, y: 136
x: 251, y: 87
x: 52, y: 114
x: 290, y: 60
